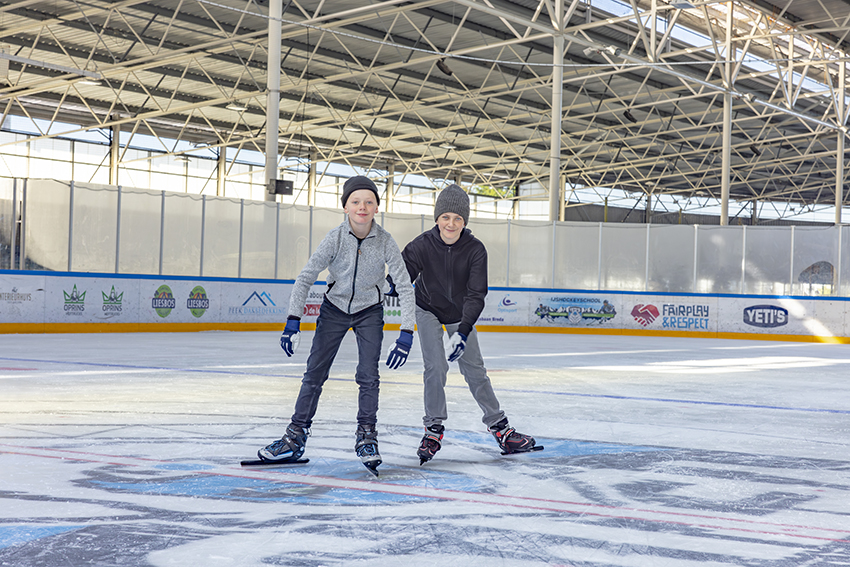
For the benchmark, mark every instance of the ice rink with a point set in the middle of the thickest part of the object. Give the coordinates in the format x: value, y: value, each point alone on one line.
x: 124, y: 449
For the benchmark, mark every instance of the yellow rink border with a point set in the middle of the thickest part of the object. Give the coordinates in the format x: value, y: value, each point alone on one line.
x: 30, y: 328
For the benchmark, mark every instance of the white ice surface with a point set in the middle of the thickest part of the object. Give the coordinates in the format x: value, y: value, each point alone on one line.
x: 124, y: 449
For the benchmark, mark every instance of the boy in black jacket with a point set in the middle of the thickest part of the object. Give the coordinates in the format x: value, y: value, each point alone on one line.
x: 449, y: 269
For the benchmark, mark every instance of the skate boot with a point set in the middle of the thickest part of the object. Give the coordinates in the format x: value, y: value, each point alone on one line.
x: 288, y: 448
x: 366, y: 447
x: 431, y: 443
x: 510, y: 441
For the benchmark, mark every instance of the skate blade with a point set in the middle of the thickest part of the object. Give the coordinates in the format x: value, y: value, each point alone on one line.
x: 535, y: 448
x: 372, y: 468
x: 422, y: 461
x: 261, y: 463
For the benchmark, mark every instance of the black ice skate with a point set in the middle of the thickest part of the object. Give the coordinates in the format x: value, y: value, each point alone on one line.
x: 366, y: 447
x: 287, y: 449
x: 431, y: 443
x: 512, y: 442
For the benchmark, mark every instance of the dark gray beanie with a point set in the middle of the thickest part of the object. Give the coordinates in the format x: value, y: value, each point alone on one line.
x: 355, y: 183
x: 452, y: 199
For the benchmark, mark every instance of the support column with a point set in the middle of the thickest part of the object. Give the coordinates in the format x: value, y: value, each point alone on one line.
x: 114, y: 154
x: 390, y: 187
x: 726, y: 166
x: 754, y: 214
x: 562, y: 201
x: 648, y: 216
x: 311, y: 180
x: 221, y: 171
x: 839, y: 147
x: 839, y: 177
x: 273, y: 87
x: 557, y: 111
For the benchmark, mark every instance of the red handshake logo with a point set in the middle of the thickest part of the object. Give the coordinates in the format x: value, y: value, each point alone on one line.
x: 645, y: 314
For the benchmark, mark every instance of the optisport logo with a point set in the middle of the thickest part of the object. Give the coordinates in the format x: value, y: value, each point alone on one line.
x: 765, y: 316
x: 507, y: 305
x: 163, y: 301
x: 645, y: 314
x: 198, y: 302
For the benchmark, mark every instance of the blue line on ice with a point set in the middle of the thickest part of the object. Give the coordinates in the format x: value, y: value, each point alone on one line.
x: 14, y: 535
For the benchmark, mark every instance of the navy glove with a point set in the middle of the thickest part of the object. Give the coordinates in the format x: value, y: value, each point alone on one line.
x: 397, y: 355
x: 456, y: 345
x: 291, y: 337
x: 392, y: 292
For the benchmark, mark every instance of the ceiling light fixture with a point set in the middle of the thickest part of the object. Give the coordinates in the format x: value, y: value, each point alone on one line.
x: 352, y: 128
x: 629, y: 116
x: 237, y: 107
x: 441, y: 65
x: 91, y: 82
x: 755, y: 150
x: 448, y: 146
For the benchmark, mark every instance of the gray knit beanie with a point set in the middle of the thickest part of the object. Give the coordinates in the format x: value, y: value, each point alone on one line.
x: 452, y: 199
x: 352, y: 184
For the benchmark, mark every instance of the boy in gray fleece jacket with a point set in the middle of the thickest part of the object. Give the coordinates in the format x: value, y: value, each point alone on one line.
x: 357, y: 254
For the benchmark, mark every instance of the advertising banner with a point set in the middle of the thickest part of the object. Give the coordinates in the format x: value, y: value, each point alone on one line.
x: 576, y: 309
x: 670, y: 313
x: 765, y: 315
x: 508, y: 308
x: 179, y: 301
x: 66, y: 299
x: 22, y: 299
x: 254, y: 302
x: 91, y: 300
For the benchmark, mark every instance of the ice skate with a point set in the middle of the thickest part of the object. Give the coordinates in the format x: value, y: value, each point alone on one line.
x: 512, y: 442
x: 288, y: 448
x: 431, y: 443
x: 366, y: 447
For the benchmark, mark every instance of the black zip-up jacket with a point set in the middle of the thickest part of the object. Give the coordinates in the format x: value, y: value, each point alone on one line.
x: 450, y: 280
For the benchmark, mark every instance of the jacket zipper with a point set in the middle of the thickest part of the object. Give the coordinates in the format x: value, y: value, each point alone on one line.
x: 354, y: 279
x: 449, y: 274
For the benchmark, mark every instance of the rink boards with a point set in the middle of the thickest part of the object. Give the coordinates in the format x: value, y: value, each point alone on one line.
x: 75, y: 302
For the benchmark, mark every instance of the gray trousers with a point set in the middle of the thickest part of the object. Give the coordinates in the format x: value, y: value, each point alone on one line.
x: 471, y: 365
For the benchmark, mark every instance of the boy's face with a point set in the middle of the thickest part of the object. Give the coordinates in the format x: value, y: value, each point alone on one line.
x: 451, y: 226
x: 361, y: 207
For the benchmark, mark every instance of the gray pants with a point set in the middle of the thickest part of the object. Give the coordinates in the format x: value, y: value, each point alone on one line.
x: 437, y: 367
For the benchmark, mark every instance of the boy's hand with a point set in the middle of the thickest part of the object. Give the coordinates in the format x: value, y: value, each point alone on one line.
x: 397, y: 355
x: 456, y: 345
x: 291, y: 337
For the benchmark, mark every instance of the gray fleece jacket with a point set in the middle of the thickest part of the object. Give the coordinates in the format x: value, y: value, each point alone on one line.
x: 356, y: 273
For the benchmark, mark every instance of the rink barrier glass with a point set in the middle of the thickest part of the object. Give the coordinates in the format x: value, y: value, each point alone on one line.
x: 86, y: 227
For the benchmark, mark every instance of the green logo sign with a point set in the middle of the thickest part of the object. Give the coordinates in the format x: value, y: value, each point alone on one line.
x: 163, y: 301
x: 74, y: 302
x: 198, y: 302
x: 112, y: 302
